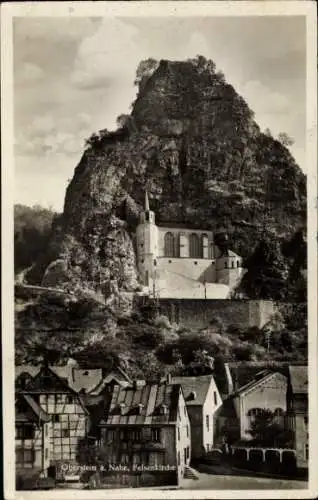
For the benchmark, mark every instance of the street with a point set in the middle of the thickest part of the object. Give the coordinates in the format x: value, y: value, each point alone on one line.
x: 232, y: 482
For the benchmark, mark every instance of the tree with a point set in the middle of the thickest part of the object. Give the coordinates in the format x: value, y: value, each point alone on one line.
x: 145, y: 69
x: 285, y: 139
x: 266, y: 431
x: 267, y: 272
x: 268, y: 132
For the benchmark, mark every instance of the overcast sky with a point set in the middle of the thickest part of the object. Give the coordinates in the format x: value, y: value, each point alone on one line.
x: 74, y: 76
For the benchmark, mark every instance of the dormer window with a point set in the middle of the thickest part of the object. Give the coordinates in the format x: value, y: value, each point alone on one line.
x: 121, y: 408
x: 163, y: 410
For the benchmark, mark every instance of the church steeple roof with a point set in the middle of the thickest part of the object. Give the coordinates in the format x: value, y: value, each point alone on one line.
x: 146, y: 202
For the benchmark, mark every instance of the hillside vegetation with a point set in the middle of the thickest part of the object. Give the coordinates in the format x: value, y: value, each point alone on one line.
x: 193, y: 143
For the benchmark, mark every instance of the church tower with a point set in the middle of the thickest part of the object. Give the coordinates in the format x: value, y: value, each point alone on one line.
x: 147, y: 245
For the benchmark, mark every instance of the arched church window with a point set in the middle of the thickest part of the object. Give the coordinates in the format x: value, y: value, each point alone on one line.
x: 169, y: 245
x: 194, y: 246
x: 204, y: 246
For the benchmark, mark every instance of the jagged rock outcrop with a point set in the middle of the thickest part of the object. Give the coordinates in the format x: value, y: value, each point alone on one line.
x: 191, y: 140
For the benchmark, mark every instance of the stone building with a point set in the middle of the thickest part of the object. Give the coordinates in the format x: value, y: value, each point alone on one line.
x: 297, y: 412
x: 202, y: 399
x: 144, y: 434
x: 191, y: 277
x: 267, y: 390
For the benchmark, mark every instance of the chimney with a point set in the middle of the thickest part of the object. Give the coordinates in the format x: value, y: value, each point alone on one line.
x: 139, y: 383
x: 229, y: 380
x: 192, y: 396
x: 72, y: 366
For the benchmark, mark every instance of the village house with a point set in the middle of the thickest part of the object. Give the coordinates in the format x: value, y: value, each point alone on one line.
x: 267, y: 390
x: 63, y: 405
x: 297, y: 412
x: 202, y: 400
x: 32, y: 435
x: 66, y: 394
x: 144, y: 434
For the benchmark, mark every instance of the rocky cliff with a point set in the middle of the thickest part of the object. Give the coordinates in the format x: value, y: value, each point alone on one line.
x: 192, y: 141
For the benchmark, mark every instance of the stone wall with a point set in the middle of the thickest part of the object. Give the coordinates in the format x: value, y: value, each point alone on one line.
x: 199, y: 313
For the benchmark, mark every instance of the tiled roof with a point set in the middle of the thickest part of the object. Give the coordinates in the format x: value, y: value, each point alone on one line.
x: 39, y: 413
x: 91, y: 380
x: 299, y: 379
x: 259, y: 377
x: 151, y: 397
x: 198, y: 385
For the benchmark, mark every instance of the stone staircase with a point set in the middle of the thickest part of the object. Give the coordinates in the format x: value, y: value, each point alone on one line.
x: 189, y: 473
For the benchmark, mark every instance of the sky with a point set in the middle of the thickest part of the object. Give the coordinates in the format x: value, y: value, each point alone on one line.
x: 74, y: 76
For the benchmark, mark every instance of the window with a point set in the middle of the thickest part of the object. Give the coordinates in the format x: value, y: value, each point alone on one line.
x: 25, y: 432
x: 46, y: 453
x: 124, y: 459
x: 59, y: 398
x: 134, y: 434
x: 188, y: 452
x: 306, y: 452
x: 69, y: 400
x: 194, y: 246
x: 155, y: 434
x: 178, y: 434
x: 207, y: 447
x: 155, y: 262
x: 207, y: 420
x: 24, y: 457
x: 204, y: 246
x: 46, y: 430
x: 178, y: 457
x: 169, y: 245
x: 187, y: 431
x: 215, y: 398
x: 56, y: 418
x: 232, y: 263
x: 306, y: 421
x: 185, y: 411
x: 65, y: 433
x: 238, y: 264
x: 278, y: 412
x: 225, y: 265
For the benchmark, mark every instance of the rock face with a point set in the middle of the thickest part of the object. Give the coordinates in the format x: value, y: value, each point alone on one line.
x: 192, y: 142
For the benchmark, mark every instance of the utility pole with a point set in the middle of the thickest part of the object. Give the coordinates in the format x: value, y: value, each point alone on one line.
x: 268, y: 339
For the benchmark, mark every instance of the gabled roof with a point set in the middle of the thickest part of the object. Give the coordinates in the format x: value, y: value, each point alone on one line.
x: 37, y: 411
x: 89, y: 380
x: 298, y: 376
x: 151, y: 397
x: 198, y: 385
x: 259, y: 378
x: 47, y: 381
x: 229, y: 253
